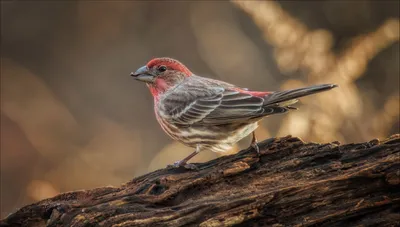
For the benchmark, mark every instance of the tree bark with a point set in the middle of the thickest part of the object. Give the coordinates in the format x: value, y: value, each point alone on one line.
x: 291, y: 183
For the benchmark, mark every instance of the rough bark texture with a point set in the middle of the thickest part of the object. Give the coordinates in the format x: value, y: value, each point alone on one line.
x: 292, y: 183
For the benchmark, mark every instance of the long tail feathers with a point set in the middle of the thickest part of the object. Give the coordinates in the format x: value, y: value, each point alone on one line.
x: 289, y: 97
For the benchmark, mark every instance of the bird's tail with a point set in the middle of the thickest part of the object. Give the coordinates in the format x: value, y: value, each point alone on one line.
x: 286, y: 98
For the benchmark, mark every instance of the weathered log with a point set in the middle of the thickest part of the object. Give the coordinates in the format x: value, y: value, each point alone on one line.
x: 291, y: 183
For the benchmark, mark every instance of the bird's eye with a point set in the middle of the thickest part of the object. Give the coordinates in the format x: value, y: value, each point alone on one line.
x: 162, y: 68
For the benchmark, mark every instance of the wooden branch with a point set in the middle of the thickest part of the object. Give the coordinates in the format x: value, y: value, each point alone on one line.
x: 292, y: 183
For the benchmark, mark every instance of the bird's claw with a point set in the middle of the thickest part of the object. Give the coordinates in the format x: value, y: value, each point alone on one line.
x: 191, y: 166
x: 179, y: 164
x: 175, y: 165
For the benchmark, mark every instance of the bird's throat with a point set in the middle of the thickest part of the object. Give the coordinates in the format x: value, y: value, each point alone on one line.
x: 158, y: 87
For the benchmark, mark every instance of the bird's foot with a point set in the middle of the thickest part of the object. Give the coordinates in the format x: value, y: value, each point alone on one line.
x: 256, y: 147
x: 181, y: 164
x: 254, y: 144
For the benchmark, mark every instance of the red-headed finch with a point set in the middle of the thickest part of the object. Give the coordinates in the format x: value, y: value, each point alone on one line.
x: 209, y: 114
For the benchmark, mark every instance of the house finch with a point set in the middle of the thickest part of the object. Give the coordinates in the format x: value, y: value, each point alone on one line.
x: 209, y: 114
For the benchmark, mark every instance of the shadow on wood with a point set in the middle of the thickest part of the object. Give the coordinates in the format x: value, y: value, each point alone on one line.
x: 292, y: 183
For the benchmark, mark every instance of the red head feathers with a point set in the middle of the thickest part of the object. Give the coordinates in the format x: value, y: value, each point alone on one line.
x: 170, y: 64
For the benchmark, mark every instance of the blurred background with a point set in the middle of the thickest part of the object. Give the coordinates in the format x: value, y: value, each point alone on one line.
x: 73, y: 118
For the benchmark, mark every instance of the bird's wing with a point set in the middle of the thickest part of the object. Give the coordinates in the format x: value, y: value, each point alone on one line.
x: 210, y: 102
x: 239, y: 106
x: 216, y: 106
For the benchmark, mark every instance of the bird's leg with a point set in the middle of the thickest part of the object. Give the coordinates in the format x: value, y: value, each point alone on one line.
x: 254, y: 144
x: 184, y: 161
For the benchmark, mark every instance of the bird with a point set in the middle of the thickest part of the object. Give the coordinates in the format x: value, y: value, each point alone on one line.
x: 210, y: 114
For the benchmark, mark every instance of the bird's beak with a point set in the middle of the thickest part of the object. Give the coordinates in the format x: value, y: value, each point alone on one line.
x: 143, y: 74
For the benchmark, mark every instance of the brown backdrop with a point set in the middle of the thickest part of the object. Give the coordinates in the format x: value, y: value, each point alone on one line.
x: 72, y: 118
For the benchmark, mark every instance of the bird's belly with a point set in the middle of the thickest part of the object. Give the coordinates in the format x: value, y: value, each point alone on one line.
x: 243, y: 132
x: 214, y: 138
x: 234, y: 137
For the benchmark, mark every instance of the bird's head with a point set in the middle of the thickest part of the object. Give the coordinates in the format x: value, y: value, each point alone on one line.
x: 161, y: 74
